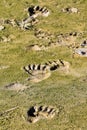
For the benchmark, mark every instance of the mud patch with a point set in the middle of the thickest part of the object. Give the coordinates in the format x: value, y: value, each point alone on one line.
x: 84, y: 43
x: 39, y: 77
x: 3, y: 67
x: 70, y: 10
x: 2, y: 27
x: 33, y: 47
x: 81, y: 52
x: 7, y: 38
x: 16, y: 87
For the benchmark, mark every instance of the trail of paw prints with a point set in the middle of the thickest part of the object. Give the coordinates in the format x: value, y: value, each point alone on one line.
x: 16, y: 86
x: 28, y: 22
x: 55, y: 40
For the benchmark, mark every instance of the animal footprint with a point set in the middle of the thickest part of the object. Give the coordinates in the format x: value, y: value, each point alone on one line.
x: 37, y: 10
x: 35, y: 113
x: 39, y: 72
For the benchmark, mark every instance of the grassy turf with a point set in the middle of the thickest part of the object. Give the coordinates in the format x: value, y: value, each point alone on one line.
x: 67, y: 90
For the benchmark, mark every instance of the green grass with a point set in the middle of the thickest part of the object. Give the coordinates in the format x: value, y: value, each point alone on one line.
x: 66, y: 90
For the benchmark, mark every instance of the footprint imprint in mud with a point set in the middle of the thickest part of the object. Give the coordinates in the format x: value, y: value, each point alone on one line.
x: 16, y: 86
x: 36, y: 113
x: 39, y: 72
x: 4, y: 67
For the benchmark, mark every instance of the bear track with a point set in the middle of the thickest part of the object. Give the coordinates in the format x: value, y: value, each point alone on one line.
x: 36, y: 113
